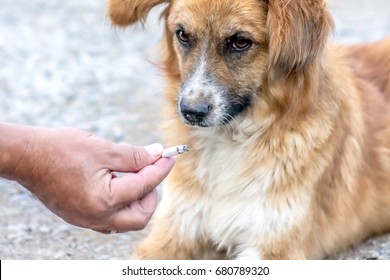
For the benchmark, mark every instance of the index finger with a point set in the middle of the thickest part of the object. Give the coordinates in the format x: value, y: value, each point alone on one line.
x: 130, y: 158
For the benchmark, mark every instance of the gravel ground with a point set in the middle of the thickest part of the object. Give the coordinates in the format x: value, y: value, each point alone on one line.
x: 62, y: 64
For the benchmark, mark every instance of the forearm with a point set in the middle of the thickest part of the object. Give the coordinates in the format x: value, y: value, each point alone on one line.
x: 16, y: 146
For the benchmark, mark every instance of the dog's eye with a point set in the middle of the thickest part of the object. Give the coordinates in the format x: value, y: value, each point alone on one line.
x: 239, y: 43
x: 183, y: 37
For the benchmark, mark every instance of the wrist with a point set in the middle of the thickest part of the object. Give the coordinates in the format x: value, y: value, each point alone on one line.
x: 17, y: 147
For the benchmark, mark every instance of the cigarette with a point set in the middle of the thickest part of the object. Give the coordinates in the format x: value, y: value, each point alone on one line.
x: 174, y: 151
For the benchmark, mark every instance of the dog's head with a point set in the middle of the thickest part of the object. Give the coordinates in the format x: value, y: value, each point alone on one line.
x: 225, y: 51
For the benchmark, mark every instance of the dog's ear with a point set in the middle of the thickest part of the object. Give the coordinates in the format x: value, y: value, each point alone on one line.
x: 297, y: 32
x: 126, y: 12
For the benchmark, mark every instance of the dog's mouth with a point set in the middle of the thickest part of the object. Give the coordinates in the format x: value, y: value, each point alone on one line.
x: 210, y: 112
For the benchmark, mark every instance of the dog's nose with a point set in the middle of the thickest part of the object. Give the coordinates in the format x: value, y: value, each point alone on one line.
x: 194, y: 113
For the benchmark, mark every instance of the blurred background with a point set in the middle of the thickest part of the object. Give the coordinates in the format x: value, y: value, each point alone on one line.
x: 63, y: 64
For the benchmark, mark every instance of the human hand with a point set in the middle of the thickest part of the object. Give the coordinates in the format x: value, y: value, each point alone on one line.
x: 72, y: 173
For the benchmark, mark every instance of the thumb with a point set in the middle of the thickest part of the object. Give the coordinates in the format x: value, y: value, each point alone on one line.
x: 130, y: 158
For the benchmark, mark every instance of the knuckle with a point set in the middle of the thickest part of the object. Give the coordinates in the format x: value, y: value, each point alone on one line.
x: 146, y: 189
x: 137, y: 158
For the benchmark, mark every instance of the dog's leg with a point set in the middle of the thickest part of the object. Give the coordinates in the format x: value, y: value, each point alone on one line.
x: 165, y: 243
x: 296, y: 244
x: 177, y: 234
x: 162, y: 244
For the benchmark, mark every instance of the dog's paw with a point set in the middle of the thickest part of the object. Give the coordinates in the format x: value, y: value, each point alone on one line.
x: 248, y: 254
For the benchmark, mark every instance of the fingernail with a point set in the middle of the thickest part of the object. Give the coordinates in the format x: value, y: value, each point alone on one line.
x: 154, y: 149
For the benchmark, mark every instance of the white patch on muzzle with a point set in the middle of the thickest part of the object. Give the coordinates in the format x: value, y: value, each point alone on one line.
x: 201, y: 86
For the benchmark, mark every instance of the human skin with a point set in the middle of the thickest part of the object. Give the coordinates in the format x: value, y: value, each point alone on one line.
x: 74, y: 174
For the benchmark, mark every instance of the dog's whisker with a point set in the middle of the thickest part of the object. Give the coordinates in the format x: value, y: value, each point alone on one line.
x: 229, y: 120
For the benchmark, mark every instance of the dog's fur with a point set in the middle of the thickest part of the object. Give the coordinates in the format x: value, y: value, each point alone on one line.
x: 289, y: 136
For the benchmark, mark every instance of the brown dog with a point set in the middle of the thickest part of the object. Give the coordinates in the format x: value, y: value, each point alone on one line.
x: 289, y: 137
